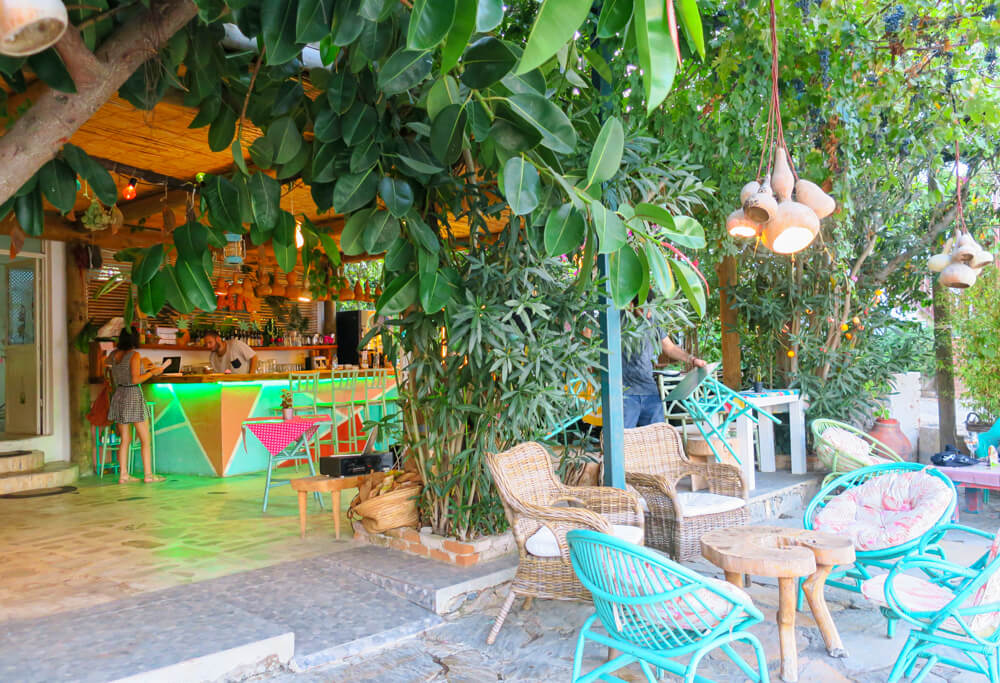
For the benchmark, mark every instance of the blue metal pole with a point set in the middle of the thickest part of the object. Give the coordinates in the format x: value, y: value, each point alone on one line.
x: 613, y: 417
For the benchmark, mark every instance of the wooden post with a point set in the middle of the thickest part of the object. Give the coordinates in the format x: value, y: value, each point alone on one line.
x: 944, y: 376
x: 80, y: 444
x: 731, y: 360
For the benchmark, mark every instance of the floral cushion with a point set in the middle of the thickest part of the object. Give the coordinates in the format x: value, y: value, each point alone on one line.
x: 887, y: 510
x: 989, y: 592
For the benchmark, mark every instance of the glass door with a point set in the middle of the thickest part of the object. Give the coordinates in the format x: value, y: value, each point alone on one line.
x: 20, y: 366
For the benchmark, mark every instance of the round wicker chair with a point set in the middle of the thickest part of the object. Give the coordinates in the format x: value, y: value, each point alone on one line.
x: 837, y: 461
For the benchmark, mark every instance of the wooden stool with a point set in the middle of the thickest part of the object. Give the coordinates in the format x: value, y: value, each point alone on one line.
x: 322, y: 484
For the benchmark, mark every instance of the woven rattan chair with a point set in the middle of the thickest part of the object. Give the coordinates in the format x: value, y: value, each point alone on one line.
x: 654, y: 464
x: 530, y: 491
x: 840, y: 462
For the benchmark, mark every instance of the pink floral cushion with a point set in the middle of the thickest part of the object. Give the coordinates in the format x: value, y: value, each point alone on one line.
x: 887, y: 510
x: 989, y: 592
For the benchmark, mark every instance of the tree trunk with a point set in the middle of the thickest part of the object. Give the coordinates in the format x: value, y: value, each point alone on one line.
x: 732, y: 374
x: 945, y: 367
x: 55, y: 116
x: 80, y: 443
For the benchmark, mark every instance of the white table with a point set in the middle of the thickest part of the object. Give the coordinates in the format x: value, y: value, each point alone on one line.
x: 789, y: 400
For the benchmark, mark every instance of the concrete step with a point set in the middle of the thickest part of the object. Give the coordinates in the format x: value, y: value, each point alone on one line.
x: 52, y: 475
x: 21, y: 461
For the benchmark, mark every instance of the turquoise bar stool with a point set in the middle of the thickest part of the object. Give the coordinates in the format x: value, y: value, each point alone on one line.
x: 107, y: 443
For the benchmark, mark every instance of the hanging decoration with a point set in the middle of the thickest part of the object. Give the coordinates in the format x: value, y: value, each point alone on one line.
x: 29, y: 26
x: 235, y: 251
x: 779, y: 208
x: 959, y: 267
x: 128, y: 192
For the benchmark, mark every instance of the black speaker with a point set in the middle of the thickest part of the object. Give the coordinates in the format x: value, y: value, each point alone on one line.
x: 352, y: 465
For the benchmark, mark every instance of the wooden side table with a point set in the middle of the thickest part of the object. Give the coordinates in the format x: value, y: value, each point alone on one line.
x: 323, y: 484
x: 787, y: 555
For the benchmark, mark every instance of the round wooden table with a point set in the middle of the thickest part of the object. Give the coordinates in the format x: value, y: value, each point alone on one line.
x: 787, y: 555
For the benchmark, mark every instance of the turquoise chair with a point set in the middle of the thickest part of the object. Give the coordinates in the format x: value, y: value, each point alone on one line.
x: 654, y: 610
x: 955, y: 614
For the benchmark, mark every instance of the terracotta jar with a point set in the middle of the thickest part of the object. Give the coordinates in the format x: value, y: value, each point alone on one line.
x: 889, y: 433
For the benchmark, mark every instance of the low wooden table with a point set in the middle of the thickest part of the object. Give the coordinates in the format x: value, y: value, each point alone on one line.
x: 323, y: 484
x: 787, y: 555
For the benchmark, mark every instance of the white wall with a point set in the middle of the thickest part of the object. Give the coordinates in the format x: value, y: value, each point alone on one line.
x: 904, y: 405
x: 55, y: 372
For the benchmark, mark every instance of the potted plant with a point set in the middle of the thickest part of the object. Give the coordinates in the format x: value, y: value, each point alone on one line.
x: 287, y: 401
x: 886, y: 430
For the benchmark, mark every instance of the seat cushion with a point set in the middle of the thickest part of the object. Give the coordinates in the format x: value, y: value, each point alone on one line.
x: 698, y: 503
x: 915, y: 594
x: 543, y: 542
x: 886, y: 511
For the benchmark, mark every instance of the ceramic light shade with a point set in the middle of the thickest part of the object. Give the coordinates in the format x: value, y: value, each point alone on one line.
x: 982, y: 259
x: 792, y: 229
x: 965, y: 249
x: 813, y: 196
x: 750, y: 189
x: 277, y: 289
x: 264, y: 288
x: 957, y: 276
x: 220, y: 287
x: 938, y: 262
x: 29, y: 26
x: 359, y: 292
x: 762, y: 206
x: 293, y: 292
x: 738, y: 225
x: 235, y: 289
x: 782, y: 180
x: 346, y: 293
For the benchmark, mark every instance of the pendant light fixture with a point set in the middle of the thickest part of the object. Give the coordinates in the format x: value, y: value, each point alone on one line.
x: 778, y: 207
x: 960, y: 267
x: 29, y: 26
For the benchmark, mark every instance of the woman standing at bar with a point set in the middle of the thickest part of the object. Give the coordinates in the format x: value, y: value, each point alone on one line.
x: 128, y: 407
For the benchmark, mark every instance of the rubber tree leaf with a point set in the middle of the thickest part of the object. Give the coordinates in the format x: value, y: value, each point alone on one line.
x: 399, y: 294
x: 459, y: 34
x: 614, y: 17
x: 223, y: 199
x: 354, y: 191
x: 153, y: 295
x: 265, y: 200
x: 277, y: 21
x: 691, y: 285
x: 381, y: 233
x: 49, y: 67
x: 313, y: 19
x: 358, y: 124
x: 688, y: 233
x: 29, y: 212
x: 397, y: 195
x: 486, y: 61
x: 238, y: 159
x: 376, y: 10
x: 262, y: 152
x: 326, y: 127
x: 283, y: 242
x: 342, y: 91
x: 443, y: 93
x: 657, y: 56
x: 430, y: 21
x: 285, y: 140
x: 195, y: 283
x: 403, y: 70
x: 598, y: 64
x: 446, y: 133
x: 564, y: 230
x: 489, y: 14
x: 691, y: 23
x: 611, y: 231
x: 520, y: 185
x: 437, y: 288
x: 352, y: 239
x: 96, y: 175
x: 222, y: 130
x: 548, y: 119
x: 148, y: 266
x: 399, y: 255
x: 606, y: 156
x: 659, y: 269
x: 191, y: 240
x: 174, y: 293
x: 555, y: 24
x: 624, y: 275
x: 347, y: 23
x: 58, y: 183
x: 654, y: 214
x: 422, y: 233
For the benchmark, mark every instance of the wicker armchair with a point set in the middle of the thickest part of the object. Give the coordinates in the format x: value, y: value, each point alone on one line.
x: 675, y: 520
x: 529, y: 489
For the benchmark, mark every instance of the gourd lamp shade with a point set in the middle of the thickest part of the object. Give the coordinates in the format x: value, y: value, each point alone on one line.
x: 738, y: 225
x: 792, y: 229
x: 29, y: 26
x: 220, y: 287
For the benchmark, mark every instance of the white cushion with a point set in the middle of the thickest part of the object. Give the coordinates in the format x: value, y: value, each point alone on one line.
x: 697, y: 503
x: 543, y: 542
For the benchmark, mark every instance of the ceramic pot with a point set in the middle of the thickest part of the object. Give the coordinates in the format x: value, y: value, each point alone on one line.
x: 938, y: 262
x: 889, y: 433
x: 738, y: 225
x: 750, y: 189
x: 792, y: 229
x: 812, y: 195
x: 958, y: 276
x: 761, y: 206
x: 29, y: 26
x: 782, y: 180
x: 287, y: 413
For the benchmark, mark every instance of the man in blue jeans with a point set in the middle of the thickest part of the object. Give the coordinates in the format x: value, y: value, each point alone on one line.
x: 641, y: 401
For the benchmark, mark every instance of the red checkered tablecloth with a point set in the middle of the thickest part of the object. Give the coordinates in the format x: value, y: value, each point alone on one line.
x: 276, y: 436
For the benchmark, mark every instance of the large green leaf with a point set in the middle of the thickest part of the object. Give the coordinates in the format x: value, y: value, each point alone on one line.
x: 194, y: 283
x: 625, y: 274
x: 691, y: 22
x: 277, y: 21
x: 514, y: 136
x: 564, y: 230
x: 191, y: 240
x: 238, y: 159
x: 347, y: 23
x: 153, y: 294
x: 265, y: 200
x: 381, y: 233
x: 262, y: 152
x: 223, y: 199
x: 358, y: 124
x: 520, y: 185
x: 364, y: 156
x: 606, y: 156
x: 548, y: 119
x: 222, y: 130
x: 614, y: 17
x: 659, y: 269
x: 352, y: 239
x: 172, y: 289
x: 422, y: 233
x: 418, y: 166
x: 437, y: 288
x: 376, y: 10
x: 148, y: 266
x: 654, y: 214
x: 443, y: 93
x: 446, y: 133
x: 429, y: 23
x: 611, y: 231
x: 58, y: 184
x: 375, y: 40
x: 486, y: 61
x: 399, y: 255
x: 29, y: 212
x: 403, y: 70
x: 688, y: 233
x: 354, y: 191
x: 326, y: 127
x: 312, y: 21
x: 691, y: 285
x: 459, y: 35
x: 489, y: 14
x: 397, y: 195
x: 657, y: 57
x: 96, y: 175
x: 283, y: 242
x: 342, y: 91
x: 285, y: 139
x: 399, y: 295
x: 49, y: 67
x: 555, y: 24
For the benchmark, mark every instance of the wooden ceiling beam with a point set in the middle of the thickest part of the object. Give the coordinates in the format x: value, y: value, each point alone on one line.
x: 150, y: 204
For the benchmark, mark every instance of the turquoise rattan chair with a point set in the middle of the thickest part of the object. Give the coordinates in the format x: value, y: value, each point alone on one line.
x: 654, y: 610
x: 949, y: 607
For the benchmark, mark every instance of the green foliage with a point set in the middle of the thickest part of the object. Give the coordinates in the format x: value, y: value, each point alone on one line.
x: 977, y: 326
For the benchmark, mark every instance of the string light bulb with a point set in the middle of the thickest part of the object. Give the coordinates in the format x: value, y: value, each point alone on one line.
x: 128, y: 192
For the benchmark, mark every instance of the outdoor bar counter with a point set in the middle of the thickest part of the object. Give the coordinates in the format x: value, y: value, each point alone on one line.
x: 198, y: 418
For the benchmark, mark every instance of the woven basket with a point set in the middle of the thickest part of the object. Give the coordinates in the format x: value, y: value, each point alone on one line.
x: 975, y: 424
x: 390, y: 510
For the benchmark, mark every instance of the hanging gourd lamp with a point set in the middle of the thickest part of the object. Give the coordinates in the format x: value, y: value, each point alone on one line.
x: 292, y: 290
x: 277, y: 289
x: 962, y: 265
x: 220, y: 287
x: 738, y: 225
x: 29, y: 26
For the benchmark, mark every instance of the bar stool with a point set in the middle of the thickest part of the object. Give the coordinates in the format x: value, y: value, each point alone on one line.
x: 304, y: 388
x: 107, y: 442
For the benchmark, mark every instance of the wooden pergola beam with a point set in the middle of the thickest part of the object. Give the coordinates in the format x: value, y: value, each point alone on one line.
x: 152, y: 204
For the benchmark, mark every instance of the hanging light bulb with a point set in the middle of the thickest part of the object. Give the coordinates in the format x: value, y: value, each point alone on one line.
x: 128, y: 192
x: 299, y: 239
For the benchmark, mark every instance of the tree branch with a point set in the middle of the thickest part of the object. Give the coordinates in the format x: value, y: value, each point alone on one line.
x: 81, y: 63
x: 936, y: 229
